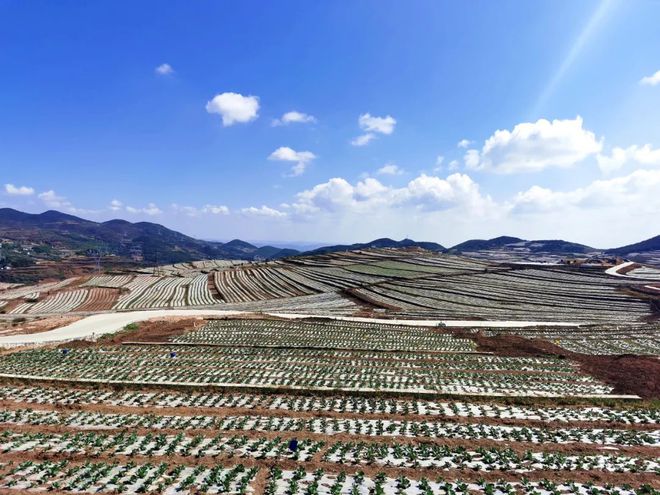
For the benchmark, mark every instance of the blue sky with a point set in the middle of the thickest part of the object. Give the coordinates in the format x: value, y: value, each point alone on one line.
x: 544, y: 114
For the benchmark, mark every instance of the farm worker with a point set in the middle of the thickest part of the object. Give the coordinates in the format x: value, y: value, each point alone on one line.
x: 293, y: 445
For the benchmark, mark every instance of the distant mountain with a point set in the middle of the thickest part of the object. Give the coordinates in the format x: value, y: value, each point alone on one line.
x: 481, y: 244
x: 379, y: 243
x: 52, y: 235
x: 652, y: 244
x: 515, y: 244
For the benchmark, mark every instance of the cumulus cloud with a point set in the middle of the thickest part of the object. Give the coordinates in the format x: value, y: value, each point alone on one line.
x: 634, y: 192
x: 372, y: 126
x: 300, y: 158
x: 216, y: 209
x: 263, y: 212
x: 652, y: 80
x: 234, y: 108
x: 151, y: 209
x: 13, y: 190
x: 382, y: 125
x: 193, y: 211
x: 164, y: 70
x: 53, y: 200
x: 389, y: 169
x: 363, y: 139
x: 294, y: 117
x: 640, y: 155
x: 464, y: 143
x: 535, y: 146
x: 116, y: 205
x: 426, y: 193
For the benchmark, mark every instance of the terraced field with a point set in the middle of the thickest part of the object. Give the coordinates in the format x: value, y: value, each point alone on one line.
x: 144, y: 438
x: 395, y: 283
x: 314, y: 405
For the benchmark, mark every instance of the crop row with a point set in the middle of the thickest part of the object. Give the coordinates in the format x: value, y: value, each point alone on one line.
x: 163, y: 293
x: 99, y: 299
x: 537, y: 295
x: 443, y: 457
x: 61, y: 302
x: 334, y: 426
x: 319, y: 482
x: 419, y: 455
x: 153, y: 292
x: 5, y: 286
x: 199, y: 293
x: 109, y: 281
x: 338, y: 404
x: 596, y: 340
x: 129, y: 444
x: 330, y: 334
x: 256, y: 284
x: 94, y: 477
x: 304, y: 368
x: 325, y: 303
x: 25, y: 290
x: 192, y: 268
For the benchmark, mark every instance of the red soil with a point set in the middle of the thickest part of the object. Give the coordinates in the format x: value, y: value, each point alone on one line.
x: 628, y: 373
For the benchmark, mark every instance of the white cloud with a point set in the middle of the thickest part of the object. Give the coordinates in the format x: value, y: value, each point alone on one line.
x: 193, y: 211
x: 372, y: 126
x: 190, y: 211
x: 431, y: 192
x: 534, y: 146
x: 234, y: 108
x: 651, y: 80
x: 116, y: 205
x: 382, y: 125
x: 389, y: 169
x: 471, y: 159
x: 300, y: 158
x: 453, y: 165
x: 164, y: 70
x: 628, y: 194
x: 216, y: 209
x: 424, y: 193
x: 363, y: 139
x: 641, y: 155
x: 464, y: 143
x: 294, y: 117
x: 53, y: 200
x: 13, y: 190
x: 264, y: 212
x: 151, y: 209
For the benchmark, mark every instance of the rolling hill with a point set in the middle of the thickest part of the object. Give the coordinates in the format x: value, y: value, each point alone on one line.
x: 379, y: 243
x: 515, y: 244
x: 54, y: 234
x: 652, y: 244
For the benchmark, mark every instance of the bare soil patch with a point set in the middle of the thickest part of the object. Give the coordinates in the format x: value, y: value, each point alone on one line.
x: 629, y: 268
x: 27, y: 325
x: 156, y: 330
x: 628, y: 373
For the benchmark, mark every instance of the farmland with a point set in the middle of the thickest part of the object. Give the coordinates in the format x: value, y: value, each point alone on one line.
x: 212, y: 406
x: 392, y: 283
x: 374, y: 402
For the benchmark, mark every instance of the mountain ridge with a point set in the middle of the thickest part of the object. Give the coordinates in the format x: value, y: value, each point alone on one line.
x: 154, y: 243
x: 150, y: 242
